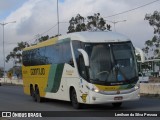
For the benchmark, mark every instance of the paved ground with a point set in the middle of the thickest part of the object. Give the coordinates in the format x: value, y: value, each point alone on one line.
x: 12, y: 98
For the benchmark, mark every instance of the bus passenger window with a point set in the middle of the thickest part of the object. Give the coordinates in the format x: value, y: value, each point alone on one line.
x: 82, y: 67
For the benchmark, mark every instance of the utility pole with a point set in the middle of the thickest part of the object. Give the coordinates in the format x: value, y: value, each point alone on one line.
x: 3, y: 24
x: 58, y: 16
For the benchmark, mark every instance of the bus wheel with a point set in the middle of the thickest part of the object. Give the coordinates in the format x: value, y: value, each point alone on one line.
x: 74, y: 100
x: 117, y: 105
x: 33, y: 95
x: 37, y: 95
x: 31, y: 91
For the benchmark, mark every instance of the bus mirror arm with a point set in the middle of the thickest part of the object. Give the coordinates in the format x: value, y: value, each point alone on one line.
x: 141, y: 53
x: 85, y: 56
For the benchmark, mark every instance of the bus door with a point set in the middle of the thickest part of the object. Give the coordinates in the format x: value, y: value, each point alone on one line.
x: 83, y: 84
x: 82, y: 71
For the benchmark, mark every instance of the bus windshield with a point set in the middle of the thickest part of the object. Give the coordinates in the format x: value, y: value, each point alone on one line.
x: 112, y: 63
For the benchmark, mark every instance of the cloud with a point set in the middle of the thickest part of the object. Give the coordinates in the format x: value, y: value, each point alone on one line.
x: 7, y: 6
x: 34, y: 17
x: 37, y: 16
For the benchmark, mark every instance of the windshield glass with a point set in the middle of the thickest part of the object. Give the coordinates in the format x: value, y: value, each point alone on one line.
x: 112, y: 63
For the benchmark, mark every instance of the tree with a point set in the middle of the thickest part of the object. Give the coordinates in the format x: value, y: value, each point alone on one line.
x: 93, y: 23
x: 96, y: 22
x: 16, y: 54
x: 55, y: 36
x: 153, y: 44
x: 40, y: 38
x: 16, y: 70
x: 77, y: 24
x: 43, y: 38
x: 1, y: 72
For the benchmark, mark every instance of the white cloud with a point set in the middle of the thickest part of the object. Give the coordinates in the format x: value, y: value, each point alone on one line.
x: 36, y: 16
x: 7, y: 6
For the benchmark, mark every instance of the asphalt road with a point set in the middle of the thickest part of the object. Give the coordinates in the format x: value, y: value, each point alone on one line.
x: 12, y: 98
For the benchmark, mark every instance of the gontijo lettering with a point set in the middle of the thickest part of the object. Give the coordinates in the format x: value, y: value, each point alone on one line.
x: 37, y: 71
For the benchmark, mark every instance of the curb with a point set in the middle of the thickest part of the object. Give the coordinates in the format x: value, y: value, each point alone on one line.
x: 150, y: 88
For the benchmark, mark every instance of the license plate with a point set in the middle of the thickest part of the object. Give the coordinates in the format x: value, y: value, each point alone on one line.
x: 118, y: 98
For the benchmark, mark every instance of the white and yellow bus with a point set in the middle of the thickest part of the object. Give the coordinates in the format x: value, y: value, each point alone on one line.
x: 82, y: 67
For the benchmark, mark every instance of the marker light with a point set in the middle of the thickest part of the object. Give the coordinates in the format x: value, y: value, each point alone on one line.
x: 137, y: 86
x: 96, y: 90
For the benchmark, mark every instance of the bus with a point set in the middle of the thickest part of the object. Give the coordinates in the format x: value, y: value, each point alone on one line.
x: 83, y: 68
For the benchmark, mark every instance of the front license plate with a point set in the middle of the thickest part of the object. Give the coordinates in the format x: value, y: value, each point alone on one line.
x: 118, y: 98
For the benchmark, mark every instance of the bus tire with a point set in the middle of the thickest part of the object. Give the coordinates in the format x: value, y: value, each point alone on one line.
x: 31, y: 91
x: 117, y: 105
x: 34, y: 96
x: 74, y: 100
x: 38, y: 98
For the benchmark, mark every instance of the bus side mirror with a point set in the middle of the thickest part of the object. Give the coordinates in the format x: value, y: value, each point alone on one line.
x: 140, y: 52
x: 85, y: 56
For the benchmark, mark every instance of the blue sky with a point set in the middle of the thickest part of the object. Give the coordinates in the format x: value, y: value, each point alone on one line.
x: 8, y: 6
x: 61, y: 0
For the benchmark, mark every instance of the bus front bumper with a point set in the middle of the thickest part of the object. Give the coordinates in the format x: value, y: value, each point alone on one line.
x: 99, y: 98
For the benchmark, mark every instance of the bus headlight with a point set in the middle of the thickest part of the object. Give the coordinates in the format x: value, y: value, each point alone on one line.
x: 95, y: 89
x: 137, y: 86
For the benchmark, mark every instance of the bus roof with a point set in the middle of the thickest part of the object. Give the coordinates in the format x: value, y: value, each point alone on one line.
x: 100, y: 36
x: 93, y: 37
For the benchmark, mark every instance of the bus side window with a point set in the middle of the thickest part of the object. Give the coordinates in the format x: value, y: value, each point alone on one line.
x: 82, y: 67
x: 26, y: 58
x: 67, y: 53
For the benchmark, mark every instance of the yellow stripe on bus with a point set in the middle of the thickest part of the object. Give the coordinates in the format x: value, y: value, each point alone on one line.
x: 42, y: 44
x: 107, y: 88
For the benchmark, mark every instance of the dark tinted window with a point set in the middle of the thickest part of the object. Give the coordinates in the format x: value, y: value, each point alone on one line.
x: 26, y: 58
x: 77, y: 45
x: 37, y: 56
x: 67, y: 55
x: 53, y: 54
x: 79, y: 58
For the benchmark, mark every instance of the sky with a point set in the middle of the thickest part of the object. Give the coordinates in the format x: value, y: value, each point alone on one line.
x: 34, y: 17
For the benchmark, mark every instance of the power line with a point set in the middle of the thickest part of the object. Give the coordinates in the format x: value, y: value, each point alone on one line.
x: 49, y: 29
x: 39, y: 34
x: 127, y: 10
x: 132, y: 9
x: 44, y: 32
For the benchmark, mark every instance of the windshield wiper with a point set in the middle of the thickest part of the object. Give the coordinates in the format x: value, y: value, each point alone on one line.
x: 118, y: 71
